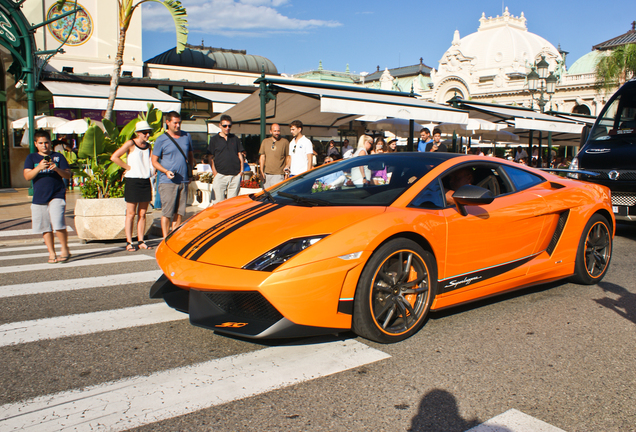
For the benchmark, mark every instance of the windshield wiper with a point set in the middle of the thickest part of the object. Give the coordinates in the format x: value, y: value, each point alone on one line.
x: 305, y: 201
x: 268, y: 196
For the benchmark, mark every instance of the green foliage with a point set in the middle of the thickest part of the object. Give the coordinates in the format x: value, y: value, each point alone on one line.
x: 126, y: 9
x: 111, y: 128
x: 179, y: 16
x: 615, y: 68
x: 103, y: 178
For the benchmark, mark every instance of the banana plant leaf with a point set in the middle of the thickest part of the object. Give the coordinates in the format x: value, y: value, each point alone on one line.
x: 111, y: 129
x: 92, y: 144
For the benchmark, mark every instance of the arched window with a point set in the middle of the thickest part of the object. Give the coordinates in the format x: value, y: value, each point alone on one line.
x: 581, y: 109
x: 452, y: 92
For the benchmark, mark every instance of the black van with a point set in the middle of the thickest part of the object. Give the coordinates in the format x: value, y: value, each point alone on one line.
x: 610, y: 151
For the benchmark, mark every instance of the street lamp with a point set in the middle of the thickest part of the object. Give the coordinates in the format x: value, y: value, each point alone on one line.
x: 539, y: 81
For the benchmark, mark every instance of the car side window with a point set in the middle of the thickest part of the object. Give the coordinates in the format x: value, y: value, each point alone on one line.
x: 522, y: 179
x: 431, y: 197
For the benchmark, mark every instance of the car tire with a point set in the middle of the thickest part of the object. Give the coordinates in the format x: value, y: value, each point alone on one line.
x: 392, y: 301
x: 594, y: 252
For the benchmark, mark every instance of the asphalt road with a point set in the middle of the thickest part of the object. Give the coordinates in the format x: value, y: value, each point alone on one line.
x: 561, y: 353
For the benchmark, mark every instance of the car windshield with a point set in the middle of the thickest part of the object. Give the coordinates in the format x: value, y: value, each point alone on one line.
x: 618, y: 118
x: 375, y: 180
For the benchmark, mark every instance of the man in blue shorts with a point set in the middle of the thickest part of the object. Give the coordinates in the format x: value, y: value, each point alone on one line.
x: 47, y: 169
x: 170, y: 156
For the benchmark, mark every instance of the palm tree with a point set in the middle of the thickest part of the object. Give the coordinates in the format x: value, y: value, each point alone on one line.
x: 616, y: 67
x: 126, y: 10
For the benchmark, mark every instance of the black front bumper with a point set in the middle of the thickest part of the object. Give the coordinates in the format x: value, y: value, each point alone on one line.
x: 241, y: 313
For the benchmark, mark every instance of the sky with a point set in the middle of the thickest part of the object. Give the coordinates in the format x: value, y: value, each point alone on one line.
x: 296, y: 34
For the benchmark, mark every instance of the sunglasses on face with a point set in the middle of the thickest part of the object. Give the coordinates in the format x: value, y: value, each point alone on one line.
x: 226, y: 126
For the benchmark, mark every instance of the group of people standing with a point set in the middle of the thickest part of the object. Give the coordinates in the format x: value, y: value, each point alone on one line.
x: 280, y: 159
x: 428, y: 144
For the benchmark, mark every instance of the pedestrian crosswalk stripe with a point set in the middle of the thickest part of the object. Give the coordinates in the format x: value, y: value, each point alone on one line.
x: 75, y: 284
x: 515, y: 421
x: 75, y: 263
x: 24, y: 232
x: 88, y: 323
x: 46, y: 254
x: 142, y: 400
x: 40, y: 246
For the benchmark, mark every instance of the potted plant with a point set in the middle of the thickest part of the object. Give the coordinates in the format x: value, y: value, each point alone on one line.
x: 250, y: 186
x: 101, y: 212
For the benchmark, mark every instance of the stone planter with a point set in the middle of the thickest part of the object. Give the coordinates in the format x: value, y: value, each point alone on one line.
x: 104, y: 219
x: 206, y: 194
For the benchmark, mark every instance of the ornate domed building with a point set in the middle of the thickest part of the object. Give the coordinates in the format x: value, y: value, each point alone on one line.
x: 491, y: 64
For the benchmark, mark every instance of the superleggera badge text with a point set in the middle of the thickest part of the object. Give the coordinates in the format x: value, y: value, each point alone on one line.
x: 464, y: 282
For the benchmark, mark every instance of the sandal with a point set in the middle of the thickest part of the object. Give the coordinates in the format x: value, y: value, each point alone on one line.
x: 142, y: 245
x: 53, y: 261
x: 63, y: 259
x: 130, y: 247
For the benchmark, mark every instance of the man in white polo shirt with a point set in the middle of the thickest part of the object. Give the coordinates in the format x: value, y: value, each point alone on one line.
x: 300, y: 150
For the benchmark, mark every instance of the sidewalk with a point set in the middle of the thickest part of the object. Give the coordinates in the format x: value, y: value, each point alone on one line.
x: 15, y: 217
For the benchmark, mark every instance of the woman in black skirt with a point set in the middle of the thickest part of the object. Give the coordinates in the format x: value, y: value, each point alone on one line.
x: 138, y: 191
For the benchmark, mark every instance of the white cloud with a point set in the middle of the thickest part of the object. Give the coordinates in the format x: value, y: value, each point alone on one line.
x: 231, y: 17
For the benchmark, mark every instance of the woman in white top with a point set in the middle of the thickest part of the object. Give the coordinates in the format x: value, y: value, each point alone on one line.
x: 138, y: 191
x: 361, y: 176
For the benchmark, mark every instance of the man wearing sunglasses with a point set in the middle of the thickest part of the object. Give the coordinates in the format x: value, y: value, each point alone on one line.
x: 226, y: 161
x: 274, y: 156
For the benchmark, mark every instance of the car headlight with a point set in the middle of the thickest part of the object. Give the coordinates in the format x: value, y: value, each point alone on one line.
x: 271, y: 259
x: 574, y: 165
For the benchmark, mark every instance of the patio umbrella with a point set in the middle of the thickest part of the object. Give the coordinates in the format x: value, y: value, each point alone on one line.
x: 394, y: 125
x: 41, y: 122
x: 78, y: 127
x: 469, y: 129
x: 496, y: 135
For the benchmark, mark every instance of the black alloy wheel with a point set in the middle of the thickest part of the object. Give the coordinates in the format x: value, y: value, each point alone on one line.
x: 395, y: 292
x: 594, y: 252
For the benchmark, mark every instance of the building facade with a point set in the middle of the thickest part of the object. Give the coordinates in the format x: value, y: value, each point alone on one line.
x: 491, y: 65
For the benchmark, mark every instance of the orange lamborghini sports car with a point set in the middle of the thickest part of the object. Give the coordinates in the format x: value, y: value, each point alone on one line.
x: 373, y: 243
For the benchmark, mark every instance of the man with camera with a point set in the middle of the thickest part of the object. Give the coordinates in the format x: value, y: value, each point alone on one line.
x: 47, y: 169
x: 173, y: 158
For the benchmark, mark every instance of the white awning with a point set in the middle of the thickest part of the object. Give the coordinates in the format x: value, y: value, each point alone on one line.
x: 354, y: 101
x: 95, y: 96
x: 221, y: 101
x: 548, y: 126
x: 322, y: 108
x: 523, y: 118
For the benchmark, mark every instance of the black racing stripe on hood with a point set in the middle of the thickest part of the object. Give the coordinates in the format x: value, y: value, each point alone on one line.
x: 230, y: 230
x: 204, y: 236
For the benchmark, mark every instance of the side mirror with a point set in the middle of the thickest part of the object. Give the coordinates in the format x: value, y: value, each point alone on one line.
x: 471, y: 195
